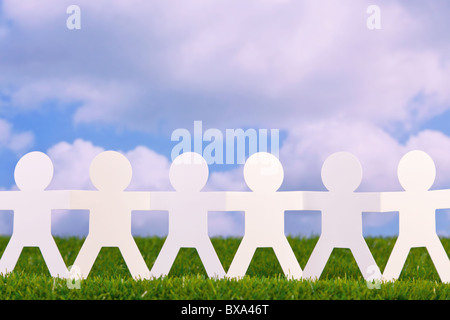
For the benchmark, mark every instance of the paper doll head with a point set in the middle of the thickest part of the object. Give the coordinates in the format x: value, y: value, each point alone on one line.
x: 34, y: 171
x: 110, y: 171
x: 416, y: 171
x: 263, y: 172
x: 189, y: 172
x: 342, y: 172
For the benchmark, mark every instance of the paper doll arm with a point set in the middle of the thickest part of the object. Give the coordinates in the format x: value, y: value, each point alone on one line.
x: 216, y: 201
x: 140, y: 200
x: 313, y: 200
x: 8, y: 200
x: 79, y: 200
x: 160, y: 200
x: 235, y: 201
x: 292, y: 200
x: 371, y: 201
x: 441, y: 199
x: 60, y: 199
x: 389, y: 201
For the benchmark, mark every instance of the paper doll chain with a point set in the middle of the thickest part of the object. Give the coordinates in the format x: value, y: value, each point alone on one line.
x: 110, y: 214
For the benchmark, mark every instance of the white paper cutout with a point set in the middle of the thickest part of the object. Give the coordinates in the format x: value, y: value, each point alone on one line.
x: 341, y: 209
x: 264, y: 215
x: 32, y: 207
x: 188, y: 215
x: 417, y: 216
x: 110, y: 213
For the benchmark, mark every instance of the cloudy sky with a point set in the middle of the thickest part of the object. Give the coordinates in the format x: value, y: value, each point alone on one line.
x: 138, y: 70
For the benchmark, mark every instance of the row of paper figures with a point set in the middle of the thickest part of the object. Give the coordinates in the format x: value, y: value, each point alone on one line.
x: 110, y: 210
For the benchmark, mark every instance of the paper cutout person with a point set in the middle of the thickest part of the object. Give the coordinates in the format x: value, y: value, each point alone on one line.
x: 32, y: 207
x: 341, y: 209
x: 110, y: 213
x: 264, y: 215
x: 188, y: 220
x: 417, y: 217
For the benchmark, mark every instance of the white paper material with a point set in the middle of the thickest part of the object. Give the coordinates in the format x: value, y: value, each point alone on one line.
x: 341, y: 209
x: 188, y: 210
x: 264, y: 215
x: 110, y: 214
x: 417, y: 214
x: 110, y: 208
x: 32, y: 207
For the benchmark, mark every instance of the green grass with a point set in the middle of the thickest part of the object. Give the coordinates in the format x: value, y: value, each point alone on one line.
x: 110, y: 279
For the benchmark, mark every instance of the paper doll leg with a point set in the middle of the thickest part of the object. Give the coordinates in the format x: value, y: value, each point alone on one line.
x: 440, y: 259
x: 134, y: 260
x: 210, y: 260
x: 318, y: 260
x: 53, y: 259
x: 241, y: 260
x: 10, y: 256
x: 396, y: 261
x: 287, y: 259
x: 87, y: 255
x: 165, y: 259
x: 366, y: 263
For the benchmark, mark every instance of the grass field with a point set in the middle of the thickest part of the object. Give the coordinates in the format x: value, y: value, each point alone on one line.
x: 110, y: 279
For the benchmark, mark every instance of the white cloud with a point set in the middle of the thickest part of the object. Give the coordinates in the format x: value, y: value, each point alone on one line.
x: 72, y: 162
x: 17, y: 142
x: 304, y: 152
x: 437, y: 145
x: 183, y: 60
x: 151, y: 170
x: 226, y: 224
x: 309, y: 67
x: 231, y: 180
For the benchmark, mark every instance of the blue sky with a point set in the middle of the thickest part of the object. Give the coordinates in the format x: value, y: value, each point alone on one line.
x: 137, y: 70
